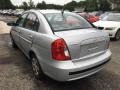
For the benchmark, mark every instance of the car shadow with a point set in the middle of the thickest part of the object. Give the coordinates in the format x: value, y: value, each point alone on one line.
x: 99, y: 81
x: 113, y: 40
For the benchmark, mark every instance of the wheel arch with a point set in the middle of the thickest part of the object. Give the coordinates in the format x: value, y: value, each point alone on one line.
x: 31, y: 52
x: 118, y: 30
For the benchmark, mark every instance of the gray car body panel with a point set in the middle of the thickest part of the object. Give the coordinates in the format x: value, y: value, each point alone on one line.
x: 40, y: 44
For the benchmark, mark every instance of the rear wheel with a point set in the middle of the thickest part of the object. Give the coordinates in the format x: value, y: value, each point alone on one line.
x: 117, y: 36
x: 36, y: 68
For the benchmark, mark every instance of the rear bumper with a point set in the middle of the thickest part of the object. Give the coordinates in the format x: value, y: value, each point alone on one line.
x: 67, y: 71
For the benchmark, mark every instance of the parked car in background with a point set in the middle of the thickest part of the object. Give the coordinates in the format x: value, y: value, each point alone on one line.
x: 91, y: 18
x: 84, y: 15
x: 62, y: 45
x: 104, y: 14
x: 96, y: 13
x: 10, y: 12
x: 110, y: 24
x: 19, y: 13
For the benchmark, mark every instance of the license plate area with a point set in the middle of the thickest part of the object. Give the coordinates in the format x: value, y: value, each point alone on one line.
x: 92, y: 48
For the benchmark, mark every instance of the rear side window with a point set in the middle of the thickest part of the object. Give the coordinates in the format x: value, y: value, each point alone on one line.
x: 32, y: 22
x: 21, y: 20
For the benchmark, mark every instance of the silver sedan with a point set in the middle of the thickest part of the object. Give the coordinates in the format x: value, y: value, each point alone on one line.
x: 60, y: 44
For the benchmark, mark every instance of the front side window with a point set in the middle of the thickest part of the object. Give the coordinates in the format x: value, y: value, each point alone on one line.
x: 66, y: 21
x: 32, y: 23
x: 21, y: 20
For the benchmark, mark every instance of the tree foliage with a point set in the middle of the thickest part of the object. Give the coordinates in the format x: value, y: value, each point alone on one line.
x: 31, y: 4
x: 81, y: 4
x: 91, y: 5
x: 115, y: 1
x: 6, y: 4
x: 71, y: 5
x: 104, y: 5
x: 43, y: 5
x: 25, y: 6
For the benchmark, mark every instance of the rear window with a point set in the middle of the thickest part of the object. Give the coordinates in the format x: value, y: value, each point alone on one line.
x: 66, y: 21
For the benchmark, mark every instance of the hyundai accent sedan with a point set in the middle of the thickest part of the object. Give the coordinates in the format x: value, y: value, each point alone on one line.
x: 60, y: 44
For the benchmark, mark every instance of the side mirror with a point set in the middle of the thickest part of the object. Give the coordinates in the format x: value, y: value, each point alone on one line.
x: 11, y: 24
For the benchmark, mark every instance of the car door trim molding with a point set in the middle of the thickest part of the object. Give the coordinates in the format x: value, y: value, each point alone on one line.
x: 25, y: 39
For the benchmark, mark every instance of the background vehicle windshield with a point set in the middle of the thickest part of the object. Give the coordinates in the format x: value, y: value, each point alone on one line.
x: 111, y: 18
x: 66, y: 21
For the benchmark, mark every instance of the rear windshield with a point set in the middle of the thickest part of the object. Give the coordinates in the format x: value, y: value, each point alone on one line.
x: 66, y: 21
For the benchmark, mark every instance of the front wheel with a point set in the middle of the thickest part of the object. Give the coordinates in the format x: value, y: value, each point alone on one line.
x: 117, y: 36
x: 37, y: 68
x: 13, y: 43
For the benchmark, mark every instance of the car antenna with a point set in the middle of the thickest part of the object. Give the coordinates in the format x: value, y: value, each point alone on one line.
x: 63, y: 10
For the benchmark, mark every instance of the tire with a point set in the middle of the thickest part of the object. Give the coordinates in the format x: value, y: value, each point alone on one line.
x: 13, y: 43
x: 36, y: 68
x: 117, y: 36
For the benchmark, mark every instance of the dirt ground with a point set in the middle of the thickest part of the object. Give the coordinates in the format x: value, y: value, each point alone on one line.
x: 16, y: 72
x: 4, y: 28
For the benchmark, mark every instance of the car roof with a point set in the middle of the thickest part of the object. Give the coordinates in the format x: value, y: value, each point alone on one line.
x: 48, y: 11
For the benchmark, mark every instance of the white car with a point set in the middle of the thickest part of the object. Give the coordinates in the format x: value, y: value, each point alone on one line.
x: 110, y: 24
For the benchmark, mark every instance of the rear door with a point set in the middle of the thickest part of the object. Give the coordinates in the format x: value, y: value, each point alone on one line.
x: 27, y: 34
x: 17, y: 29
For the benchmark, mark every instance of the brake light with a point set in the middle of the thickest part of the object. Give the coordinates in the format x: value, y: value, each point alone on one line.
x: 60, y: 50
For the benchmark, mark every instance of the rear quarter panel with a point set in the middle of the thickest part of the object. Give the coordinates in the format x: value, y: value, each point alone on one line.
x: 42, y: 46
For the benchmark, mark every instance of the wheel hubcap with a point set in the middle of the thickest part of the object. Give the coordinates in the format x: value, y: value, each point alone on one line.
x: 35, y: 66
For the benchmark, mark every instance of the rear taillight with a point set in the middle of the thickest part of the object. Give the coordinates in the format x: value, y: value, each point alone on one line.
x: 60, y: 50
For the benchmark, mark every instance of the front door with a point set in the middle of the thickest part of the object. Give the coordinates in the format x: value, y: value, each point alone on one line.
x: 27, y: 34
x: 17, y: 29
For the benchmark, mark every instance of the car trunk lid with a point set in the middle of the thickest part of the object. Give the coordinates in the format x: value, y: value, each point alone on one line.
x: 84, y: 42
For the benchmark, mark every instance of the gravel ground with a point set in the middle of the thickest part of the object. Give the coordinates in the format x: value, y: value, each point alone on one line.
x: 7, y: 18
x: 16, y: 72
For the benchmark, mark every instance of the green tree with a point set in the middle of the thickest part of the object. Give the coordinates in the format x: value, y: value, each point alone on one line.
x: 25, y: 6
x: 42, y: 5
x: 31, y: 4
x: 71, y: 5
x: 116, y: 2
x: 6, y: 4
x: 81, y: 4
x: 53, y: 6
x: 91, y: 5
x: 104, y: 5
x: 39, y: 5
